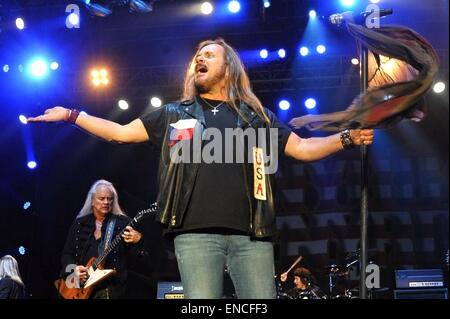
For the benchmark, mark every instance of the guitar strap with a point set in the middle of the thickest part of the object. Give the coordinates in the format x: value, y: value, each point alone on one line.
x: 109, y: 234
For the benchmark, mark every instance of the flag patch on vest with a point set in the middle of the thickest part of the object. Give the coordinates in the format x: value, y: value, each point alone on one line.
x: 181, y: 130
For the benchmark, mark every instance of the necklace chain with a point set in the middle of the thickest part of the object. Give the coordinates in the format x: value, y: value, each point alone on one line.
x: 214, y: 108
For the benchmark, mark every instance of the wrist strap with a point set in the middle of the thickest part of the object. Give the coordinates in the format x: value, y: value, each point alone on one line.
x: 73, y: 115
x: 346, y: 139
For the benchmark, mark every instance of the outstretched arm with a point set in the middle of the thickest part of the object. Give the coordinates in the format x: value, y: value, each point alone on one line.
x: 315, y: 148
x: 133, y: 132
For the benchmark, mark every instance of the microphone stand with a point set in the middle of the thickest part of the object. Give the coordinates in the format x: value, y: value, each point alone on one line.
x: 364, y: 213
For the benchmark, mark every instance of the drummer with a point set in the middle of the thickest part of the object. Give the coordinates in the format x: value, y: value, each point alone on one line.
x: 305, y: 286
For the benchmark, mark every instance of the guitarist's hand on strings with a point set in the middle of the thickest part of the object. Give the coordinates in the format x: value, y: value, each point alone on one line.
x: 82, y: 273
x: 130, y: 235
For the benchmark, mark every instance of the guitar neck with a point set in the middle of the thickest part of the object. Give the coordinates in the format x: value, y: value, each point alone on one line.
x: 116, y: 241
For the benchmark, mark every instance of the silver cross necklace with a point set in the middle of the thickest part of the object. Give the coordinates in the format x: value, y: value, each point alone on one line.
x: 214, y: 108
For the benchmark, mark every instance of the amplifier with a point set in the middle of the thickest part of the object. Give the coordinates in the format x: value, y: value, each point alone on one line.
x: 419, y: 278
x: 170, y: 290
x: 440, y: 293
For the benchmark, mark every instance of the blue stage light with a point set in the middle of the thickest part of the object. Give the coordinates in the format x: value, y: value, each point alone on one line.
x: 266, y: 4
x: 284, y: 105
x: 234, y: 6
x: 38, y: 68
x: 312, y: 14
x: 310, y: 103
x: 32, y: 164
x: 264, y: 53
x: 22, y: 250
x: 321, y: 49
x: 20, y: 23
x: 282, y: 53
x: 304, y: 51
x: 347, y: 3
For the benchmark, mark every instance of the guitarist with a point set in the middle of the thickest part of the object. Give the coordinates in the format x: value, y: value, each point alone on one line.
x: 98, y: 222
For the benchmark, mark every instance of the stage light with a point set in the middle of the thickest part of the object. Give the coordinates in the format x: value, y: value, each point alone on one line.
x: 321, y: 49
x: 73, y: 19
x: 206, y: 8
x: 355, y: 61
x: 23, y: 119
x: 38, y: 68
x: 100, y: 77
x: 26, y: 205
x: 264, y: 53
x: 374, y: 1
x: 98, y: 9
x: 282, y: 53
x: 310, y: 103
x: 54, y: 65
x: 439, y: 87
x: 32, y: 164
x: 266, y: 4
x: 234, y: 6
x: 155, y: 101
x: 304, y: 51
x: 22, y: 250
x: 312, y: 14
x: 284, y: 105
x: 20, y: 23
x: 141, y: 6
x: 347, y: 3
x: 6, y: 68
x: 123, y: 105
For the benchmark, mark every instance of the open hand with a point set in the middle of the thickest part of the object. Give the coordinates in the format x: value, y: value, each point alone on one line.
x: 55, y: 114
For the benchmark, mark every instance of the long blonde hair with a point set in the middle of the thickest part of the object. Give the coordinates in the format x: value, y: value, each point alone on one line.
x: 10, y: 268
x: 87, y: 207
x: 237, y: 83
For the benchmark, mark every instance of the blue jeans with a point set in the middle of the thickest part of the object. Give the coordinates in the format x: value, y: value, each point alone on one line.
x: 202, y: 259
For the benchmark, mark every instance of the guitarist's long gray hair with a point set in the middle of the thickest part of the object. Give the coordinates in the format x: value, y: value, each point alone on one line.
x: 10, y: 268
x: 87, y: 207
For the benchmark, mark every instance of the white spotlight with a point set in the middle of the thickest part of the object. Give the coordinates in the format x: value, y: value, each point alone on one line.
x: 155, y: 101
x: 123, y: 105
x: 20, y: 23
x: 355, y: 61
x: 321, y: 49
x: 234, y: 6
x: 206, y: 8
x: 264, y: 53
x: 54, y: 65
x: 23, y: 119
x: 304, y: 51
x: 439, y: 87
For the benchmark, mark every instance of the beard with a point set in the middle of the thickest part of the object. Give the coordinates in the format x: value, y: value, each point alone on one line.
x: 205, y: 85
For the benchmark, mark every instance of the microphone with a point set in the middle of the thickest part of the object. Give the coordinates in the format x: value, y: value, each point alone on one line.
x: 349, y: 16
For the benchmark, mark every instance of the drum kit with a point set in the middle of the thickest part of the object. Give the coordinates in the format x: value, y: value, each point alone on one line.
x: 339, y: 284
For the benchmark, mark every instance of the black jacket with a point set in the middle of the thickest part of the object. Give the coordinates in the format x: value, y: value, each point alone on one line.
x: 176, y: 180
x: 10, y: 289
x: 76, y: 248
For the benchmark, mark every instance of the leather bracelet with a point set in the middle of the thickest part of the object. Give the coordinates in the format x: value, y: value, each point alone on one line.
x: 73, y: 115
x: 346, y: 139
